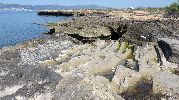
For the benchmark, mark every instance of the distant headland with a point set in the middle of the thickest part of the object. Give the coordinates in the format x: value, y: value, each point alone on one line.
x: 18, y: 7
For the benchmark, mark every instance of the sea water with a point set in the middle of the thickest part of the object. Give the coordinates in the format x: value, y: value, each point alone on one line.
x: 17, y: 27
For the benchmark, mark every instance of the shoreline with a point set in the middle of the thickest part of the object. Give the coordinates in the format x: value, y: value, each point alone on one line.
x: 22, y: 30
x: 101, y: 57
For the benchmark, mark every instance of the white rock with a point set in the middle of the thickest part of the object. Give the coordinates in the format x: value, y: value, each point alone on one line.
x: 166, y: 83
x: 127, y: 80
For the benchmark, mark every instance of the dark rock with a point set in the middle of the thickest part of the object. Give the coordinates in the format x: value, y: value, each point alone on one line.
x: 52, y: 31
x: 115, y: 35
x: 56, y: 13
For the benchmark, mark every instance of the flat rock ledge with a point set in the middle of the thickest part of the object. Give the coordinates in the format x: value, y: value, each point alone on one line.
x: 61, y: 67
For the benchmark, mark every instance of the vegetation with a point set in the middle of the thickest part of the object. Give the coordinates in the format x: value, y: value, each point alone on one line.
x: 173, y: 10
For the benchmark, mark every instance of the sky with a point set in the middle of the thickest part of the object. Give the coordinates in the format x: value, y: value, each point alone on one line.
x: 107, y: 3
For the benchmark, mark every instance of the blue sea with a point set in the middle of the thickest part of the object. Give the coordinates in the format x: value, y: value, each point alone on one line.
x: 17, y: 27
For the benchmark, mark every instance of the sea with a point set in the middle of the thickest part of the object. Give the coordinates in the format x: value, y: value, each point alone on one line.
x: 19, y: 26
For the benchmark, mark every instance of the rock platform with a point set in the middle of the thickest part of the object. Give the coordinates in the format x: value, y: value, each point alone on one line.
x: 82, y: 61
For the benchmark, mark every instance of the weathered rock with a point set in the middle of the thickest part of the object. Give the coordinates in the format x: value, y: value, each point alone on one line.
x: 172, y: 49
x: 147, y: 58
x: 130, y: 81
x: 69, y: 69
x: 74, y: 63
x: 123, y: 47
x: 22, y: 76
x: 134, y: 31
x: 48, y: 62
x: 104, y: 67
x: 103, y: 89
x: 166, y: 83
x: 57, y: 13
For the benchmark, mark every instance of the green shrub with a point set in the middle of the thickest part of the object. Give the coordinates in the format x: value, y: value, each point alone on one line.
x: 173, y: 10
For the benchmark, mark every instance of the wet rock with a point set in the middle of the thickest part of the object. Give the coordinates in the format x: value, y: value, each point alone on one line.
x: 51, y: 31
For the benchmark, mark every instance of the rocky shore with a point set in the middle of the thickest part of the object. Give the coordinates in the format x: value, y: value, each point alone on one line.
x: 71, y: 12
x: 95, y: 58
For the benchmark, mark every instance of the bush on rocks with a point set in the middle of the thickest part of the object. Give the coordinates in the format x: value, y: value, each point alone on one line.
x: 172, y: 10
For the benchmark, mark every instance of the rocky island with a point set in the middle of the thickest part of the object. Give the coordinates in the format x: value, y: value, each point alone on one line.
x: 121, y: 55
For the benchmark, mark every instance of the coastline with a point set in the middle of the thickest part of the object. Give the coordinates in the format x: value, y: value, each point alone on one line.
x: 106, y: 68
x: 17, y: 27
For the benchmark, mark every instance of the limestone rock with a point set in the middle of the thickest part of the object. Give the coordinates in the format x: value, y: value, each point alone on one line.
x: 123, y: 47
x: 48, y: 62
x: 102, y: 88
x: 166, y: 83
x: 130, y: 81
x: 104, y: 66
x: 117, y: 45
x: 74, y: 63
x: 61, y: 58
x: 128, y: 54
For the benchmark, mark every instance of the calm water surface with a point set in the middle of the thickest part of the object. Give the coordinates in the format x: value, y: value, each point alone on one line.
x: 16, y: 27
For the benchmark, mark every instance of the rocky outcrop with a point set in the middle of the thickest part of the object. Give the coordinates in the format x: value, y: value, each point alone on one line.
x: 71, y: 13
x: 134, y: 31
x: 172, y: 44
x: 62, y: 67
x: 21, y: 74
x: 94, y: 58
x: 57, y: 13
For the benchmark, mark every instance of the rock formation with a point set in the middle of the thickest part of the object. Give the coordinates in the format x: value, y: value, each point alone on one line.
x: 139, y: 61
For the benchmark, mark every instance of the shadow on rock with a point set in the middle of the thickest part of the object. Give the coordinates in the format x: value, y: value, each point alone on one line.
x: 115, y: 35
x: 88, y: 39
x: 142, y: 91
x: 166, y: 49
